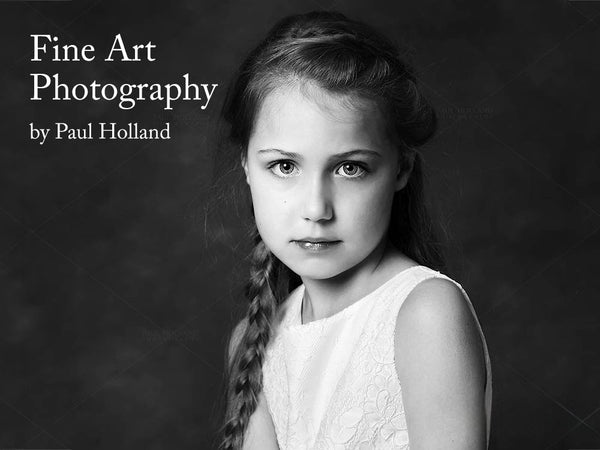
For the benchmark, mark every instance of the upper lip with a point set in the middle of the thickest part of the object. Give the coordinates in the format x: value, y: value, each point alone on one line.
x: 316, y: 239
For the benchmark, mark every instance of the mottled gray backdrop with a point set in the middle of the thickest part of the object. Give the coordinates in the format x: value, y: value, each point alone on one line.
x: 121, y: 274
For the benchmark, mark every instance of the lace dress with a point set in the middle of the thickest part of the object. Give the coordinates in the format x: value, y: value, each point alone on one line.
x: 332, y: 383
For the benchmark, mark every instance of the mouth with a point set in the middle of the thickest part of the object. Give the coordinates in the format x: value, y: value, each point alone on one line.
x: 315, y: 244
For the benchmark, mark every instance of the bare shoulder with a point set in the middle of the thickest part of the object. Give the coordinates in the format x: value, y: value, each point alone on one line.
x: 436, y: 313
x: 437, y: 304
x: 440, y: 364
x: 260, y: 434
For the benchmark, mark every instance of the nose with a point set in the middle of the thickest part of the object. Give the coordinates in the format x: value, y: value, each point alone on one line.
x: 317, y: 205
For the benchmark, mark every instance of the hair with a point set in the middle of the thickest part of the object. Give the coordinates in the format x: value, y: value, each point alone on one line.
x: 349, y: 58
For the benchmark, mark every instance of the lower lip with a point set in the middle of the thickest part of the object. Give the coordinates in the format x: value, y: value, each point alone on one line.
x: 316, y: 246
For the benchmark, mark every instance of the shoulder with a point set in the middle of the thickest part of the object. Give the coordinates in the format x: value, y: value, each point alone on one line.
x: 433, y: 299
x: 436, y: 313
x: 440, y: 363
x: 260, y: 432
x: 435, y: 305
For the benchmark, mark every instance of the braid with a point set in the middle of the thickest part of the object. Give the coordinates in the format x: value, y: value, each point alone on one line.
x: 264, y: 290
x: 341, y: 56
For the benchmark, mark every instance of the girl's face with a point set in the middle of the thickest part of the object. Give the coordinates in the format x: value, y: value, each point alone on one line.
x: 319, y: 170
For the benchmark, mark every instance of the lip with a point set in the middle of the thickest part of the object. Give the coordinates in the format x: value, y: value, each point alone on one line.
x: 316, y: 244
x: 315, y: 239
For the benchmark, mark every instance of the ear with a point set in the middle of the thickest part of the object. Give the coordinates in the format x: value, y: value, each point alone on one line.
x: 244, y: 163
x: 405, y: 167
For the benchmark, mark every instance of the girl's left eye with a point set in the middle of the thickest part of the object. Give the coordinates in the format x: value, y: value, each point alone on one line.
x: 352, y: 170
x: 285, y: 168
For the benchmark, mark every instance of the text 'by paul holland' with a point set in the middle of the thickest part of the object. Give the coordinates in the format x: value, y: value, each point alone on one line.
x: 100, y: 130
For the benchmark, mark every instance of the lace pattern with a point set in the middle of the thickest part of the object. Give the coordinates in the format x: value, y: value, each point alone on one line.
x: 332, y: 383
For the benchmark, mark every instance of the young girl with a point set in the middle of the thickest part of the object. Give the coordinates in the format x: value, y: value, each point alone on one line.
x: 354, y: 339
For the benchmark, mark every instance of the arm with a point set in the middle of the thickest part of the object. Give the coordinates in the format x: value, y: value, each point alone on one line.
x: 260, y: 433
x: 441, y: 368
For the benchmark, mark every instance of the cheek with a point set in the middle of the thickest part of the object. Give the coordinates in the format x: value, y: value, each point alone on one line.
x: 269, y: 209
x: 266, y: 198
x: 368, y: 210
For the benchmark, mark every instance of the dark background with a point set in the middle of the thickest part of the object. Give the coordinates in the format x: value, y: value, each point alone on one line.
x: 117, y: 297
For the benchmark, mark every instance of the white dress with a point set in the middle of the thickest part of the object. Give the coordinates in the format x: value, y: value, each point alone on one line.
x: 332, y: 383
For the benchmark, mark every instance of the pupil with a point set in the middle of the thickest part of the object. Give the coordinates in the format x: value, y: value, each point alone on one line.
x: 349, y: 169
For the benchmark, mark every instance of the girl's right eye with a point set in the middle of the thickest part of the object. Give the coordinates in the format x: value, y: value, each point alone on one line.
x: 285, y: 168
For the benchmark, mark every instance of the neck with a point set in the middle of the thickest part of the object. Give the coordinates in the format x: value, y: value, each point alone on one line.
x: 323, y: 298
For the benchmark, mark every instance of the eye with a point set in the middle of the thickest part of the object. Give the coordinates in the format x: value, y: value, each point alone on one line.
x: 352, y: 170
x: 285, y: 168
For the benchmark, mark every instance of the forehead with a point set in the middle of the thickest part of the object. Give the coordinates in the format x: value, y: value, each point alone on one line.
x: 304, y: 115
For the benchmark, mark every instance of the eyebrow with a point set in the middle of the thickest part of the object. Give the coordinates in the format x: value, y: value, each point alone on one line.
x: 347, y: 154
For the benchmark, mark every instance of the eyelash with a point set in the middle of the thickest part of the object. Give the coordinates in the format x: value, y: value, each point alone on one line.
x: 361, y: 166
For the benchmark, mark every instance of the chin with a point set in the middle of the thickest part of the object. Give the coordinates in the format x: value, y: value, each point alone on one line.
x: 315, y: 269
